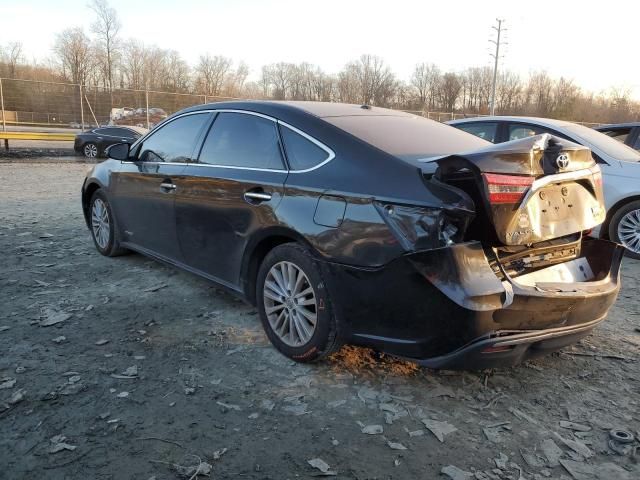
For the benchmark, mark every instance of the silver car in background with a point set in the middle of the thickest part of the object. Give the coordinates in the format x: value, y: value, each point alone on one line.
x: 620, y: 166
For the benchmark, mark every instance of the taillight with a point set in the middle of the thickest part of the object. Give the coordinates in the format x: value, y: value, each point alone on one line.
x: 506, y: 188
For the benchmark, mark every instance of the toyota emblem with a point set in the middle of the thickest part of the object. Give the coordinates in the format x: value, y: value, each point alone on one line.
x: 562, y: 161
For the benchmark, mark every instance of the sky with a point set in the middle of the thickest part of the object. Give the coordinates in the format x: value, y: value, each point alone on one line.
x: 593, y: 43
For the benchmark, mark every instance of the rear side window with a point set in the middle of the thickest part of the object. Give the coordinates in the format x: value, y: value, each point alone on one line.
x: 302, y: 153
x: 486, y: 131
x: 242, y: 140
x: 175, y: 141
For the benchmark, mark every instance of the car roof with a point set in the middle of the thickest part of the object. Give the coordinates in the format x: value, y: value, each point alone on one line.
x: 549, y: 122
x: 618, y: 125
x: 317, y: 109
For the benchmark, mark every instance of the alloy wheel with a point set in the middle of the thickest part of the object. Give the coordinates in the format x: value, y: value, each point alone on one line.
x: 629, y: 230
x: 90, y: 150
x: 290, y: 304
x: 100, y: 223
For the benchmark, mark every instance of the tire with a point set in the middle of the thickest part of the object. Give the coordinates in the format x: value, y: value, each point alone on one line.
x: 106, y: 241
x: 90, y: 150
x: 627, y: 220
x: 298, y: 344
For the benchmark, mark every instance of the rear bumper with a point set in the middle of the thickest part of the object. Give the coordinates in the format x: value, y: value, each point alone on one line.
x: 446, y: 308
x: 507, y: 349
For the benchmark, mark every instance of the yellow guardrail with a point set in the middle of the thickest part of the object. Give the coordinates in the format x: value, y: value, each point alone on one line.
x: 51, y: 136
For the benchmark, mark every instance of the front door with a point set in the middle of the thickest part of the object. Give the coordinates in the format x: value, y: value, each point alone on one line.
x: 145, y: 188
x: 230, y: 193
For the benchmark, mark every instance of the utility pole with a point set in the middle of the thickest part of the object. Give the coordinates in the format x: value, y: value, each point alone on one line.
x: 499, y: 29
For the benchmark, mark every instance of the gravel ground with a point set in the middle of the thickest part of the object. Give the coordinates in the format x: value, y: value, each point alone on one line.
x: 126, y: 368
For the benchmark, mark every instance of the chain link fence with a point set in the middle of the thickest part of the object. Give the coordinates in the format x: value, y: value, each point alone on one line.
x: 46, y: 105
x: 27, y: 103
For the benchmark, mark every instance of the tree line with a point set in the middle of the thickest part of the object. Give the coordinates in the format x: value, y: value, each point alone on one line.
x: 101, y: 57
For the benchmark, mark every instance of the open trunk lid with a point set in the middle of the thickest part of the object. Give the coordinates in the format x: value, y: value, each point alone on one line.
x: 529, y: 190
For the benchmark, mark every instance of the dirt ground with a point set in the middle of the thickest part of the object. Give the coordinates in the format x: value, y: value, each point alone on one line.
x: 128, y: 369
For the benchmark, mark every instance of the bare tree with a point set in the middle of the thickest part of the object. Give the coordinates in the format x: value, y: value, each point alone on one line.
x: 368, y: 81
x: 73, y: 51
x: 425, y: 79
x: 106, y: 28
x: 133, y: 61
x: 11, y: 55
x: 450, y: 89
x: 211, y: 73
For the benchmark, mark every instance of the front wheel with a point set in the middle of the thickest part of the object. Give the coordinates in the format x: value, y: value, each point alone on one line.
x: 103, y: 227
x: 294, y: 304
x: 624, y: 228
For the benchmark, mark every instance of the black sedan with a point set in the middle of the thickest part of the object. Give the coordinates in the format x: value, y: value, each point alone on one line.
x: 627, y: 133
x: 92, y: 143
x: 361, y: 225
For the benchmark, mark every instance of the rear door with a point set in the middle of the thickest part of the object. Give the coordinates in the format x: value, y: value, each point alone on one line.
x: 145, y: 189
x: 230, y: 193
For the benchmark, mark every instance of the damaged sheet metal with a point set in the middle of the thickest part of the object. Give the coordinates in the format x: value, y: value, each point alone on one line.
x: 475, y: 287
x: 561, y: 187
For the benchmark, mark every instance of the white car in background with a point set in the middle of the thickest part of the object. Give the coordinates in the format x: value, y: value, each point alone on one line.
x: 620, y: 166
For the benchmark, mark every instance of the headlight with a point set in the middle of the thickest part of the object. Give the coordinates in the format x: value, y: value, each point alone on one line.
x: 420, y: 228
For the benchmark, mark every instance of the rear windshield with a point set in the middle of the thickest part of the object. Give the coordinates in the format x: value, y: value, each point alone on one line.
x: 408, y: 137
x: 608, y: 145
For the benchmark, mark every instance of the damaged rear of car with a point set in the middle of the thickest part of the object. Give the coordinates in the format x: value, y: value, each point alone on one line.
x: 501, y: 271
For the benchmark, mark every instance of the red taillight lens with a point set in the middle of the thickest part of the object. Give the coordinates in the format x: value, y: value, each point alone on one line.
x: 506, y: 188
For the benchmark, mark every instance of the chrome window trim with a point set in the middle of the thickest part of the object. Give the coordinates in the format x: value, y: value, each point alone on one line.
x: 330, y: 153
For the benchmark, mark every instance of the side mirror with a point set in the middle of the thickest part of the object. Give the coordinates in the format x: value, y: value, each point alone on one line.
x: 119, y: 151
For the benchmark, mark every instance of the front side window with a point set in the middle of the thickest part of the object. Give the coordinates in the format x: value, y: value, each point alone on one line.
x: 487, y: 131
x: 302, y: 153
x: 175, y: 141
x: 242, y: 140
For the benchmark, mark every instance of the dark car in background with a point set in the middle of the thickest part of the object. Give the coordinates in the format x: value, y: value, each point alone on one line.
x: 362, y: 225
x: 93, y: 143
x: 627, y: 133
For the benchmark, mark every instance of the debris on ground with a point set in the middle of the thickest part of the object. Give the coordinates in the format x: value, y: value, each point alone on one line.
x: 7, y: 382
x: 17, y: 397
x: 372, y: 429
x: 439, y: 429
x: 551, y: 451
x: 396, y: 446
x: 53, y: 317
x: 59, y: 339
x: 102, y: 341
x: 455, y: 473
x: 321, y: 465
x: 58, y: 444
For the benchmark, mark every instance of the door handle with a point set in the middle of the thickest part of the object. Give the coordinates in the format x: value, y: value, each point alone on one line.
x: 168, y: 186
x: 257, y: 196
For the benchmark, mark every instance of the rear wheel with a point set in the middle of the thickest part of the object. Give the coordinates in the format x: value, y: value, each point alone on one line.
x: 294, y: 304
x: 90, y: 150
x: 624, y: 228
x: 103, y: 228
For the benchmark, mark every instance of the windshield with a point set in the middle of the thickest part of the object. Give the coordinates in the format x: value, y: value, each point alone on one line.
x: 608, y: 145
